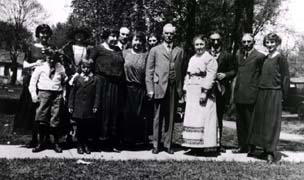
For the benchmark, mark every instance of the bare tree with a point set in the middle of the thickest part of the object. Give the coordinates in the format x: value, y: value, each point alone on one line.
x: 21, y: 14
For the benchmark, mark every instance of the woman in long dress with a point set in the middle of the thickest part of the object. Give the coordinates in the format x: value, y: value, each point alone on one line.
x: 273, y: 86
x: 109, y: 68
x: 134, y: 130
x: 36, y: 54
x: 200, y: 121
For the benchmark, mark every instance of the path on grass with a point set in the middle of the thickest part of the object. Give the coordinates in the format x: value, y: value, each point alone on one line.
x: 283, y: 135
x: 15, y: 151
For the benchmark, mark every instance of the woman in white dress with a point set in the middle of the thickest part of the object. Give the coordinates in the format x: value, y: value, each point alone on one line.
x: 200, y: 121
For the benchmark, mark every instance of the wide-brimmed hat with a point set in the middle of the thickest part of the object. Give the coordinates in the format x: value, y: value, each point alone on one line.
x: 82, y: 30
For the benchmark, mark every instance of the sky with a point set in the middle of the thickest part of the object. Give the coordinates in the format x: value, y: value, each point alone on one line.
x: 58, y: 10
x: 296, y: 14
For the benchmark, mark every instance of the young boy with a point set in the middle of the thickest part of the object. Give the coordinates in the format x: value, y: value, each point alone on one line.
x: 46, y: 88
x: 84, y: 102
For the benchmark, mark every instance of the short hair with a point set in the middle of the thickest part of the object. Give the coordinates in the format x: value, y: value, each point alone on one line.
x: 107, y: 32
x: 124, y: 28
x: 153, y: 34
x: 248, y: 34
x: 141, y: 35
x: 215, y: 32
x: 201, y: 37
x: 43, y: 28
x: 169, y: 25
x: 272, y: 36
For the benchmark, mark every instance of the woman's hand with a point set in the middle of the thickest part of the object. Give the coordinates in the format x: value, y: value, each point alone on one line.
x: 39, y: 62
x: 203, y: 99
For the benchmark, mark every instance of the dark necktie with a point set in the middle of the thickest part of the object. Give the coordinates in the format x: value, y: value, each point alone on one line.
x: 245, y: 54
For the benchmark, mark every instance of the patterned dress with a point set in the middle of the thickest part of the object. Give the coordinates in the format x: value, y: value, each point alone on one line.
x: 200, y: 122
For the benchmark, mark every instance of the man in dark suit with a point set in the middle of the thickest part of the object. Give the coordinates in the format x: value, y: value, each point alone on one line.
x: 164, y: 85
x: 250, y: 62
x: 225, y: 73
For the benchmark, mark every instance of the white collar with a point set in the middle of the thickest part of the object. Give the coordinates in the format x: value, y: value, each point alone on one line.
x: 106, y: 46
x: 274, y: 54
x: 90, y: 75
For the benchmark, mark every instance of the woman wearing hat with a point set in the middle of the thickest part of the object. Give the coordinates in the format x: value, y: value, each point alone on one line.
x: 75, y: 50
x: 73, y: 53
x: 34, y: 56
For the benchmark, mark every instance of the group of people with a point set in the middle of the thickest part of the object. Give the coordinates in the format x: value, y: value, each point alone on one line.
x: 125, y: 87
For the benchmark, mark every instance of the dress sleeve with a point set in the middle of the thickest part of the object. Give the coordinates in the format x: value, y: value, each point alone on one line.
x: 285, y: 78
x: 211, y: 69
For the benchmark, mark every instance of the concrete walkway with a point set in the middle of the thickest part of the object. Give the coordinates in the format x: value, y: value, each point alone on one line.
x: 283, y: 136
x: 15, y: 151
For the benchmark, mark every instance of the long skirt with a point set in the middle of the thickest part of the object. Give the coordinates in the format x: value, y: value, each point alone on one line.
x: 266, y: 123
x: 111, y: 108
x: 25, y: 116
x: 134, y: 125
x: 200, y: 122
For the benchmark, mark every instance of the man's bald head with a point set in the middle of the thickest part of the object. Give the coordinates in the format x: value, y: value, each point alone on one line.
x: 168, y: 32
x: 124, y: 35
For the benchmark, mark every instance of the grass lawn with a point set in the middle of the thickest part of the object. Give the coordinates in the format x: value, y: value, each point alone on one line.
x: 293, y: 126
x: 100, y: 169
x: 48, y: 169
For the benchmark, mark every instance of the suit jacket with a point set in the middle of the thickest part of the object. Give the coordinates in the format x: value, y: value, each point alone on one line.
x: 247, y: 78
x: 226, y: 64
x: 157, y: 70
x: 84, y: 96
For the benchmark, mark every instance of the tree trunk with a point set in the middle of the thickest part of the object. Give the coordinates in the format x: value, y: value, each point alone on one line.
x: 14, y: 68
x: 190, y: 24
x: 243, y: 21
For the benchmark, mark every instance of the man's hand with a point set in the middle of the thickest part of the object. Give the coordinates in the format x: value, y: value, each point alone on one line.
x: 35, y: 99
x: 220, y: 76
x: 71, y: 110
x: 95, y: 110
x: 150, y: 95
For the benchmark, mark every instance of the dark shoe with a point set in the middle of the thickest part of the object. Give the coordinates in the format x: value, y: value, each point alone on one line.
x: 32, y: 144
x: 38, y: 148
x: 270, y: 159
x: 87, y: 149
x: 80, y: 150
x: 169, y: 151
x: 155, y: 151
x: 251, y: 154
x: 57, y: 148
x: 222, y: 149
x: 240, y: 150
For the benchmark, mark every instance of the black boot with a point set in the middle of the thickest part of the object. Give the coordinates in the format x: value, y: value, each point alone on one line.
x: 41, y: 138
x: 57, y: 147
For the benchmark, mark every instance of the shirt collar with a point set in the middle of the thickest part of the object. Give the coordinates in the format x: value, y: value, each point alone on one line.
x: 83, y: 75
